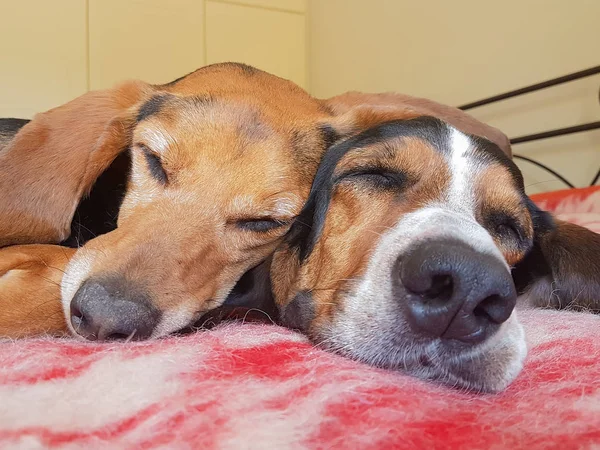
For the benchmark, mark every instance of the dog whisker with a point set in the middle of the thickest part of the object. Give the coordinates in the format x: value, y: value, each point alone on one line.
x: 52, y: 267
x: 260, y: 311
x: 47, y: 279
x: 130, y: 337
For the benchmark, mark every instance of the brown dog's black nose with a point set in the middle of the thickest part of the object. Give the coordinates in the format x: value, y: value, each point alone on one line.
x: 111, y: 309
x: 455, y: 292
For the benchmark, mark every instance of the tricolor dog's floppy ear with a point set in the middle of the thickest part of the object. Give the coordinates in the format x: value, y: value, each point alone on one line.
x: 355, y: 112
x: 54, y: 160
x: 562, y: 270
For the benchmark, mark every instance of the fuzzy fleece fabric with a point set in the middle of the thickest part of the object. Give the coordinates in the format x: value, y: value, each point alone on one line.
x: 251, y: 386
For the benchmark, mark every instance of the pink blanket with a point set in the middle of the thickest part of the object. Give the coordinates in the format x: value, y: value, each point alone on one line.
x: 264, y: 387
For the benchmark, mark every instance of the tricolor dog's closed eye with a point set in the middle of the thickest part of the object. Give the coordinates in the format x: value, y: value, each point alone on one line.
x: 402, y: 256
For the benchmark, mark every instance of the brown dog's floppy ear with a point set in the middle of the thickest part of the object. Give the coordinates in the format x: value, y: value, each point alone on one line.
x: 355, y: 112
x: 55, y: 159
x: 562, y: 270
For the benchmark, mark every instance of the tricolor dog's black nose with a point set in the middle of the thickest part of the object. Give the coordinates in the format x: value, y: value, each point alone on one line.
x: 455, y: 292
x: 111, y: 309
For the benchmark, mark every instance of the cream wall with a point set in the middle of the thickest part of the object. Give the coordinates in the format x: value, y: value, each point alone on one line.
x: 463, y: 50
x: 43, y: 54
x: 54, y: 50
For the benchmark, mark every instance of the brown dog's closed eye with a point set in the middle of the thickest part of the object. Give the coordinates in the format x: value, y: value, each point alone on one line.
x: 154, y: 164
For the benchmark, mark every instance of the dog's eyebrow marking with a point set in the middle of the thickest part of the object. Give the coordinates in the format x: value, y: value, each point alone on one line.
x: 158, y: 140
x: 287, y: 206
x: 151, y: 107
x: 284, y: 207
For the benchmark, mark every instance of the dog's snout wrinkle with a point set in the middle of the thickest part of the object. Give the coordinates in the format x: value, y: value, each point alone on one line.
x: 112, y: 310
x: 454, y: 292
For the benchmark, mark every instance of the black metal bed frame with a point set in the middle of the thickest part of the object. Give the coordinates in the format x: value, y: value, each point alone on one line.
x: 550, y: 133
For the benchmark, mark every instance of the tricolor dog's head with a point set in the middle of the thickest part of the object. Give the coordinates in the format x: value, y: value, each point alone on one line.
x: 402, y: 255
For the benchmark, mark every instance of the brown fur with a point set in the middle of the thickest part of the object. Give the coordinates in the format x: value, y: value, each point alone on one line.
x: 30, y: 278
x: 371, y: 109
x: 54, y: 160
x: 232, y: 157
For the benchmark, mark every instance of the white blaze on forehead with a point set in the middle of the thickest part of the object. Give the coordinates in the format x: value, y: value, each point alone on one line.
x: 462, y: 170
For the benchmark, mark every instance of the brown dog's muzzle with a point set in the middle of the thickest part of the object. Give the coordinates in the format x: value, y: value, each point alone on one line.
x: 113, y: 309
x: 149, y: 278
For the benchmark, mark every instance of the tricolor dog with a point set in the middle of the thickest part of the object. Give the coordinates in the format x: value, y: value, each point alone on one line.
x: 413, y: 248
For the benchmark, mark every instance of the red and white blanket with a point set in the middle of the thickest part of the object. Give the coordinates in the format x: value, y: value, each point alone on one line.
x: 263, y: 387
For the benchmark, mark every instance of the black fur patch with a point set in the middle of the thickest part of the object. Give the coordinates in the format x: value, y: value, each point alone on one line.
x: 253, y: 290
x: 250, y: 299
x: 97, y: 213
x: 151, y: 107
x: 491, y: 152
x: 11, y: 125
x: 534, y: 265
x: 300, y: 312
x: 329, y: 135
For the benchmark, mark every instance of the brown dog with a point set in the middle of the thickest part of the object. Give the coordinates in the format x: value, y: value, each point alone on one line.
x: 402, y: 256
x: 222, y: 162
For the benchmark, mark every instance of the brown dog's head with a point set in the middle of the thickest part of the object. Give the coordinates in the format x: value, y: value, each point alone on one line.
x: 402, y: 255
x: 222, y: 162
